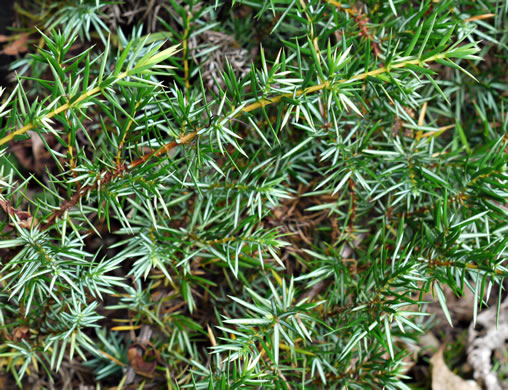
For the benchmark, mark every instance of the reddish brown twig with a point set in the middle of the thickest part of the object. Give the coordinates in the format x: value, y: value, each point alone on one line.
x: 362, y: 21
x: 110, y: 176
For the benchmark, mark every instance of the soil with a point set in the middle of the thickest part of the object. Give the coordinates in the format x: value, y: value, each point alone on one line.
x: 6, y: 16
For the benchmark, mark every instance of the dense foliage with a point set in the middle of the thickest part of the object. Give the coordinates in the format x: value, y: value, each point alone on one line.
x: 267, y: 190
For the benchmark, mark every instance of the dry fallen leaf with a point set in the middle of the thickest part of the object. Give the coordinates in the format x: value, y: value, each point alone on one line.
x: 136, y: 354
x: 21, y: 333
x: 444, y: 379
x: 25, y: 219
x: 16, y: 47
x: 487, y: 340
